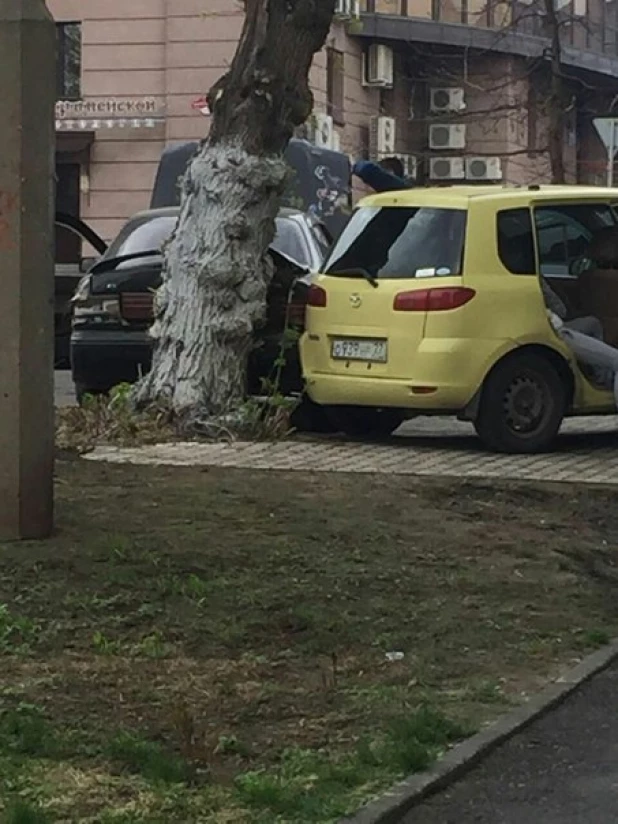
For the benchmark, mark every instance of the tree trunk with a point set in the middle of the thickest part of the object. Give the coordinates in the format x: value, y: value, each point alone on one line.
x: 216, y: 271
x: 556, y: 121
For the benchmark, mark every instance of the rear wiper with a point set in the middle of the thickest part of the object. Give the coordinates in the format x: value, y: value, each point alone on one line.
x: 359, y: 270
x: 111, y: 263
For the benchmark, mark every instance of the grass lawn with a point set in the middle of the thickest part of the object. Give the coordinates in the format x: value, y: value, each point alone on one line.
x: 225, y: 646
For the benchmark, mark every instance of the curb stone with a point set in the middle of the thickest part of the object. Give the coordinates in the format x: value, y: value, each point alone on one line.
x: 390, y: 808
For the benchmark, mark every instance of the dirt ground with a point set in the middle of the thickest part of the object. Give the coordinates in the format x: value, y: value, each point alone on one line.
x: 225, y: 646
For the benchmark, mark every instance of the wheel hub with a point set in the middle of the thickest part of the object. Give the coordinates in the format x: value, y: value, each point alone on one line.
x: 524, y: 404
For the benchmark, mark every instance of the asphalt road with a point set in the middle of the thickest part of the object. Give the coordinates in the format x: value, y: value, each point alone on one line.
x: 64, y: 394
x: 561, y: 770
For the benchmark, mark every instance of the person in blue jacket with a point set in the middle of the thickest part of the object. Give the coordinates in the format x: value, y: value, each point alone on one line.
x: 386, y: 176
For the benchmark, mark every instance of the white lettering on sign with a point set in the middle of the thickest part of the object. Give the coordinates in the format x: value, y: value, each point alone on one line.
x: 107, y: 107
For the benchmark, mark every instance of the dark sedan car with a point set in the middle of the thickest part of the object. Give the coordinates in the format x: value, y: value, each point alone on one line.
x: 71, y: 235
x: 113, y: 305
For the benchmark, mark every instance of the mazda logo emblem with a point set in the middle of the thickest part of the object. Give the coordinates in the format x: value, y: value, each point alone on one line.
x: 355, y: 300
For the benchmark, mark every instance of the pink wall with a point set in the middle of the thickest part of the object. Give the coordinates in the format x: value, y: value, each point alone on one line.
x: 174, y: 50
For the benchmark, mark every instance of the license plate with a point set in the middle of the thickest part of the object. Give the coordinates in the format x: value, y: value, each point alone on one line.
x: 361, y: 350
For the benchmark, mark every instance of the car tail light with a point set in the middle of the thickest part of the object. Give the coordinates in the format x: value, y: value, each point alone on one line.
x: 137, y: 306
x: 433, y: 300
x: 316, y: 296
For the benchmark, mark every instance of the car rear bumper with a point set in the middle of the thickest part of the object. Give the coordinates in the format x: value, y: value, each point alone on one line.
x: 337, y: 390
x: 444, y: 376
x: 102, y: 360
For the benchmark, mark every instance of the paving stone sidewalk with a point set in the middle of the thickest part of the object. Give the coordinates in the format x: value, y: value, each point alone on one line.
x: 587, y: 452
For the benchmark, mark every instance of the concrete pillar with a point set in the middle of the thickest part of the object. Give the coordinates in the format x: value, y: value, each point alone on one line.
x: 27, y: 96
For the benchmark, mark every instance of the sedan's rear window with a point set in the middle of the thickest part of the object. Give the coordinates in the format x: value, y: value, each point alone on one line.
x: 400, y: 242
x: 289, y: 240
x: 144, y: 234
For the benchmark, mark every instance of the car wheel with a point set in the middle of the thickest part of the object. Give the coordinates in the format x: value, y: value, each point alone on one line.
x: 311, y: 417
x: 523, y: 402
x: 365, y: 421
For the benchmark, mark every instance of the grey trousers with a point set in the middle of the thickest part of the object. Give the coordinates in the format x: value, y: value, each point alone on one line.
x: 589, y: 348
x: 587, y: 326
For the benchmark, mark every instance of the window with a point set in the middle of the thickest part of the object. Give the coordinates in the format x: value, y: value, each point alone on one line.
x: 145, y: 234
x: 69, y: 61
x: 611, y: 28
x: 335, y: 79
x: 68, y: 243
x: 399, y: 242
x: 533, y: 116
x: 564, y: 234
x: 515, y: 242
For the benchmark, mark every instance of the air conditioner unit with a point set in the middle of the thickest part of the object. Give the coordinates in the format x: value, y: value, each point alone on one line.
x: 483, y: 168
x: 446, y: 100
x: 344, y: 9
x: 379, y: 66
x: 447, y: 136
x: 323, y: 130
x: 382, y: 132
x: 409, y: 164
x: 446, y: 168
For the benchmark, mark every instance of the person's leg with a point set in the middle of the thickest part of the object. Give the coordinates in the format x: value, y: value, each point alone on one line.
x: 593, y: 352
x: 587, y: 326
x: 599, y: 375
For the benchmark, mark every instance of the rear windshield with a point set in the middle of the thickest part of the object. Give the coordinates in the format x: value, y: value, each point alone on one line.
x: 289, y: 240
x: 146, y: 234
x: 151, y: 232
x: 398, y: 242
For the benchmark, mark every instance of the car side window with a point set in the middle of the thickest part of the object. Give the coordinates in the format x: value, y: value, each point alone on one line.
x: 564, y: 234
x: 515, y: 241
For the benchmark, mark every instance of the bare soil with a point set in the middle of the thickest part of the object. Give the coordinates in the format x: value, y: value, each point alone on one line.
x: 202, y: 645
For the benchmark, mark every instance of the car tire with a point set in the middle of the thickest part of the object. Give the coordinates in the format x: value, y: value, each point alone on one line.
x: 523, y: 403
x: 365, y: 421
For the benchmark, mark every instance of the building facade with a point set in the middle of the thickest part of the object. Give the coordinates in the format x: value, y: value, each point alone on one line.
x: 458, y: 88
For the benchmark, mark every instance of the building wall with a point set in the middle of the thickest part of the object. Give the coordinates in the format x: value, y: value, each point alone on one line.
x: 123, y: 54
x: 360, y: 102
x: 174, y: 50
x: 171, y: 50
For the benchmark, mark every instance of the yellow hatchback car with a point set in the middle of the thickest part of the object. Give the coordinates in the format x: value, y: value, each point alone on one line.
x: 431, y: 303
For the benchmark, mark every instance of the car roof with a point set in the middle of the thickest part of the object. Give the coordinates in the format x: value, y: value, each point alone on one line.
x: 462, y: 197
x: 174, y: 211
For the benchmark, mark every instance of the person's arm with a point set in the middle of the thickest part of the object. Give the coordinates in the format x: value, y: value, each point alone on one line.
x: 378, y: 178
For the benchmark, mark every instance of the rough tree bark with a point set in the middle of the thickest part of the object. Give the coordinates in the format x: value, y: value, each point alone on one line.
x: 216, y: 272
x: 556, y: 119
